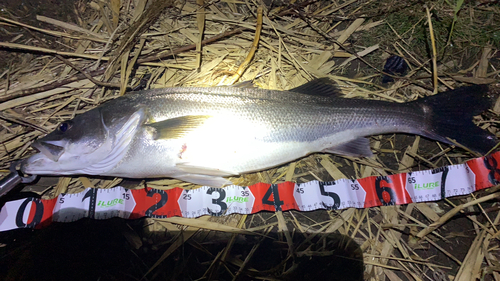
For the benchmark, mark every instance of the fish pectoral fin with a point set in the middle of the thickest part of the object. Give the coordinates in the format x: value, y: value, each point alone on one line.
x: 205, y: 180
x: 190, y: 169
x: 359, y: 147
x: 176, y: 127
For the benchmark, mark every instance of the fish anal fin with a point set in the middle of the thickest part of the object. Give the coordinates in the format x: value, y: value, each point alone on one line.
x: 177, y: 127
x: 323, y: 87
x: 359, y: 147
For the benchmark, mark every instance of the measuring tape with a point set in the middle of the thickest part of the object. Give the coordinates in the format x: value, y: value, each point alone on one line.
x: 404, y: 188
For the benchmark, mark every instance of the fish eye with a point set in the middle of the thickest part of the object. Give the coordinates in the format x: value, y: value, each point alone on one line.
x: 64, y: 126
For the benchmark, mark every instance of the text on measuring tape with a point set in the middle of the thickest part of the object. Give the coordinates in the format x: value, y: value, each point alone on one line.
x: 421, y: 186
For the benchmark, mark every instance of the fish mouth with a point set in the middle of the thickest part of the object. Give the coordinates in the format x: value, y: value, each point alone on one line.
x: 50, y: 150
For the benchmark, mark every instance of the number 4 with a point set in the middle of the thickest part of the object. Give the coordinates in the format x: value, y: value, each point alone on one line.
x: 277, y: 203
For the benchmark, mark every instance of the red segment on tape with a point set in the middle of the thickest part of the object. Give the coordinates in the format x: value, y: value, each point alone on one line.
x: 385, y: 190
x: 285, y: 191
x: 48, y: 206
x: 33, y: 213
x: 264, y: 197
x: 156, y: 203
x: 486, y: 169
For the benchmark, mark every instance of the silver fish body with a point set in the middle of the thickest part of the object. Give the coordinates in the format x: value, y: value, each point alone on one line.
x: 201, y: 135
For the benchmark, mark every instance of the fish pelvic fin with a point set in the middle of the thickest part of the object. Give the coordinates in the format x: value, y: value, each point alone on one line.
x: 178, y: 127
x: 191, y: 169
x: 449, y: 116
x: 205, y: 180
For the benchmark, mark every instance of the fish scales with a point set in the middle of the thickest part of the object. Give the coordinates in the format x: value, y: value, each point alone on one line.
x: 281, y: 111
x: 201, y: 135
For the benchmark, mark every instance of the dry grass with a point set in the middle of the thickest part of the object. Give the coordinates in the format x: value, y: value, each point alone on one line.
x: 116, y: 45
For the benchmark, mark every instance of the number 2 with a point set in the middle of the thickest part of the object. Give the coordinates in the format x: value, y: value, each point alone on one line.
x: 158, y: 205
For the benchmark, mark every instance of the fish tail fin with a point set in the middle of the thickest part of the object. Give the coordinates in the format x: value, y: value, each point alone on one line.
x: 449, y: 115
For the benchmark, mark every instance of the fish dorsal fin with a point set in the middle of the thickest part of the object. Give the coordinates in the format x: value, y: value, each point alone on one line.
x: 323, y: 87
x: 359, y: 147
x: 248, y: 84
x: 177, y: 127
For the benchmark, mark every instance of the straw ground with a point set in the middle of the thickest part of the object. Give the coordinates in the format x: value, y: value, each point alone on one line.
x: 57, y: 65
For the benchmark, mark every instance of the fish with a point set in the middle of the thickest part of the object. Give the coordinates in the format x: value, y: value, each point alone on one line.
x: 204, y: 134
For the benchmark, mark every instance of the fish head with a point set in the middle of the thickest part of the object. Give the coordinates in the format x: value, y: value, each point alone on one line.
x: 81, y: 135
x: 73, y: 145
